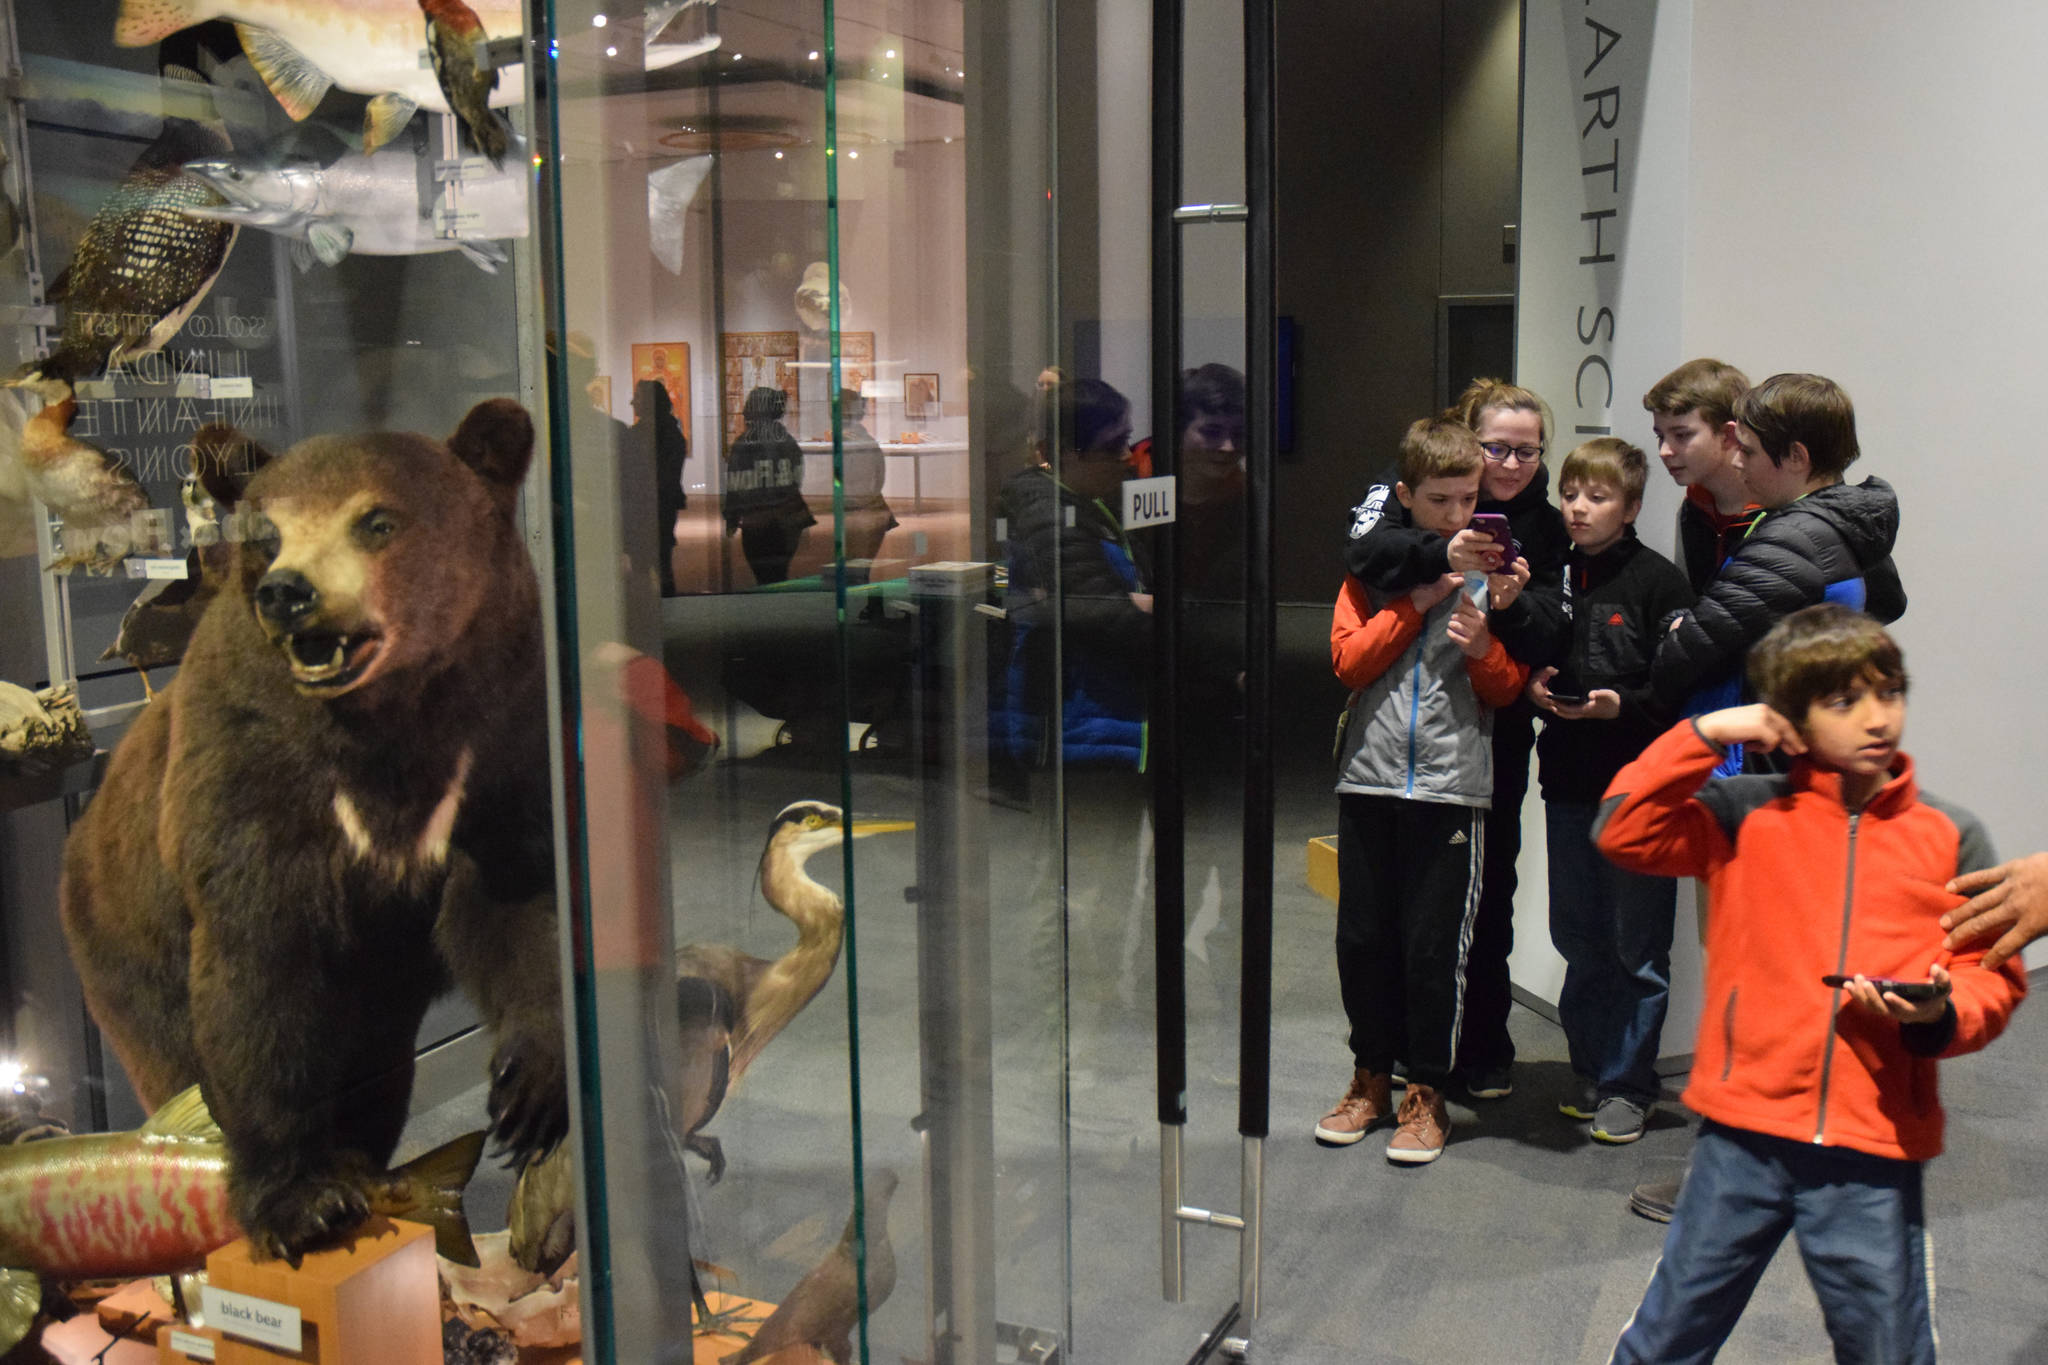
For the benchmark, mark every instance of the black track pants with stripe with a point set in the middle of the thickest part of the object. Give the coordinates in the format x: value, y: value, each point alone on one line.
x: 1408, y: 888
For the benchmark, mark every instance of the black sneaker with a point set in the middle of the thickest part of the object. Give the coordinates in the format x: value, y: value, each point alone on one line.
x: 1582, y: 1103
x: 1491, y: 1082
x: 1654, y: 1201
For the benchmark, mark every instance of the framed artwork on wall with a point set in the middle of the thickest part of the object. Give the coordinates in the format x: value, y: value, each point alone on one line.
x: 668, y: 364
x: 920, y: 396
x: 856, y: 360
x: 599, y: 391
x: 753, y: 360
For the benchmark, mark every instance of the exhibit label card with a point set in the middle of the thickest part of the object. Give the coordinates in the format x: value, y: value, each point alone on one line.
x: 191, y: 1344
x: 253, y: 1319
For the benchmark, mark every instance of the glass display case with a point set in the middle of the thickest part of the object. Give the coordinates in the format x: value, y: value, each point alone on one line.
x: 888, y: 871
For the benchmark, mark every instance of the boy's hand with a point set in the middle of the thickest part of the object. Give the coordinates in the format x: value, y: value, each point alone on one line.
x: 1468, y: 628
x: 1504, y: 587
x: 1894, y: 1007
x: 1428, y: 595
x: 1601, y: 703
x: 1757, y: 726
x: 1471, y: 551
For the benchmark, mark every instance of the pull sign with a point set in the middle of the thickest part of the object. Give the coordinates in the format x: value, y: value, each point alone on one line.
x: 1148, y: 502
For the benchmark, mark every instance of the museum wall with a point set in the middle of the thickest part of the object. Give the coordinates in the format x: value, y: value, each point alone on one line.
x: 1876, y: 217
x: 908, y: 288
x: 1605, y: 113
x: 1397, y: 171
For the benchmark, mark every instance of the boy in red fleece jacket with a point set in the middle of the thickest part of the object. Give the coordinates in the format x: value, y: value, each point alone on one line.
x: 1819, y: 1100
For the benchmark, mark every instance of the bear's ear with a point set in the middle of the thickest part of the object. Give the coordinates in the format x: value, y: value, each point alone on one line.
x: 496, y: 440
x: 223, y: 460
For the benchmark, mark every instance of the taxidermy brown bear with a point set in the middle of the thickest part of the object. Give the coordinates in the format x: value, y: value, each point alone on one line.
x: 339, y: 806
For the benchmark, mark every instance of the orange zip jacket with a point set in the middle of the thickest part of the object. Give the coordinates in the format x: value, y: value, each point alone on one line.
x: 1419, y: 726
x: 1365, y: 643
x: 1799, y: 887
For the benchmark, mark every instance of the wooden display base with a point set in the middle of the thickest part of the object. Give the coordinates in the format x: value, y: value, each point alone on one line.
x: 375, y: 1299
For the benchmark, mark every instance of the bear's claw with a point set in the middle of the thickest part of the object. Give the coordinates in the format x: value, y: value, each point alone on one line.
x: 529, y: 1101
x: 303, y: 1216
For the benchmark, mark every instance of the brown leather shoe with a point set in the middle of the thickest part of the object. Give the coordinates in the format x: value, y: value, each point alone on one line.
x: 1423, y: 1127
x: 1369, y: 1100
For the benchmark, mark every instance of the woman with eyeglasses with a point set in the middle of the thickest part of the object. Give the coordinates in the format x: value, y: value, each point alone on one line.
x: 1388, y: 554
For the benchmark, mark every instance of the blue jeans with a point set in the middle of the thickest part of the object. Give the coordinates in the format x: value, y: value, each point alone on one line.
x: 1862, y: 1233
x: 1613, y: 929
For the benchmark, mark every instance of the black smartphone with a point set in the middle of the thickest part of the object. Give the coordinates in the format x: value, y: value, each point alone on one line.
x: 1905, y: 990
x: 1565, y: 687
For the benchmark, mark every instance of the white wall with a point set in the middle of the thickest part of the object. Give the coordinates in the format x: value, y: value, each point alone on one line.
x: 1876, y: 217
x: 1862, y: 199
x: 902, y: 251
x: 1592, y: 335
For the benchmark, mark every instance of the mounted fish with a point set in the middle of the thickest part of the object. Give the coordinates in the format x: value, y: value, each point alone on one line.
x: 369, y: 205
x: 96, y: 497
x: 142, y: 265
x: 303, y: 48
x: 453, y: 33
x: 155, y: 1201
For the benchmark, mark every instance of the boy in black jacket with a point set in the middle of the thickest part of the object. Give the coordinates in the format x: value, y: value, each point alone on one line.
x: 1613, y: 928
x: 1819, y: 539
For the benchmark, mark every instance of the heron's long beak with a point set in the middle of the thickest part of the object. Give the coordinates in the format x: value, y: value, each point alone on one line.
x: 863, y: 828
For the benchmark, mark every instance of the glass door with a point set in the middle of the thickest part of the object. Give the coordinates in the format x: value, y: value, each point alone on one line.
x: 863, y: 676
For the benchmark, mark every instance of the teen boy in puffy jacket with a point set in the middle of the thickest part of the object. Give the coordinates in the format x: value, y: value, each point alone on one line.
x: 1819, y: 539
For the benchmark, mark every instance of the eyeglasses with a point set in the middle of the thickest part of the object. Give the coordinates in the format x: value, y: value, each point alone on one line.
x: 1497, y: 453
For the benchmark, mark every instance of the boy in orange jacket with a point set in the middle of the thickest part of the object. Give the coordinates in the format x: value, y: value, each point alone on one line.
x: 1816, y: 1086
x: 1414, y: 782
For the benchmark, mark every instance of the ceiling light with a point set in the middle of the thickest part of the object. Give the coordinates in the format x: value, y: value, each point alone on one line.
x: 891, y: 54
x: 611, y: 52
x: 853, y: 156
x: 737, y: 55
x: 597, y: 21
x: 778, y: 156
x: 814, y: 56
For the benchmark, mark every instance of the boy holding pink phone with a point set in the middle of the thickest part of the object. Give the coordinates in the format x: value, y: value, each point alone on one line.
x: 1819, y: 1101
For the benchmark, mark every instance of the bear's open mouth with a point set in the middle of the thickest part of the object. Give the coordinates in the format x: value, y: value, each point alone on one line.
x: 328, y: 658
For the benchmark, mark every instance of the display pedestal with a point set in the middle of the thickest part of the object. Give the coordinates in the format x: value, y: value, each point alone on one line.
x: 377, y: 1298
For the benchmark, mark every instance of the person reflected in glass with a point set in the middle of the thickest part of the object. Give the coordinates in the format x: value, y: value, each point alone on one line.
x: 862, y: 468
x: 764, y: 488
x: 1210, y: 458
x: 1073, y: 704
x: 654, y: 421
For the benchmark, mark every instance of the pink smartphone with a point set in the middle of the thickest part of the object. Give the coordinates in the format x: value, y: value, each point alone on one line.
x: 1495, y: 525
